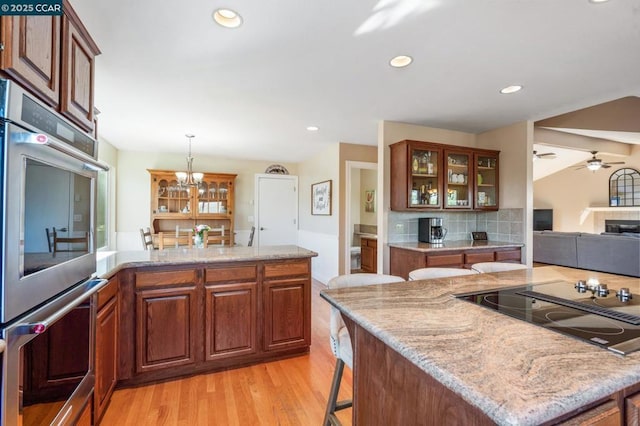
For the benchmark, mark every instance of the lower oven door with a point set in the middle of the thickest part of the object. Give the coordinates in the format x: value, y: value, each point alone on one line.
x: 48, y: 373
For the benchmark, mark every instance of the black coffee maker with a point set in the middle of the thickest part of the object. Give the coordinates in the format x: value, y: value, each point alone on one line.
x: 430, y: 230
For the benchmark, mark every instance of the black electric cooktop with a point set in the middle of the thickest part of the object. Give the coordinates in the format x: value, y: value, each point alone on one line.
x: 587, y: 311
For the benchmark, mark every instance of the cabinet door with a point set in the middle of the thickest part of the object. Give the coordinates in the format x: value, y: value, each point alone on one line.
x: 231, y: 319
x: 458, y: 182
x: 486, y: 181
x: 78, y: 68
x: 106, y: 355
x: 166, y: 327
x: 32, y: 53
x: 368, y: 255
x: 168, y: 199
x: 287, y: 313
x: 425, y: 177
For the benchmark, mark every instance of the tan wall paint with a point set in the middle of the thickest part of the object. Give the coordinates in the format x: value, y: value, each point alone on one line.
x: 319, y: 168
x: 515, y: 144
x: 349, y: 152
x: 569, y: 192
x: 133, y: 187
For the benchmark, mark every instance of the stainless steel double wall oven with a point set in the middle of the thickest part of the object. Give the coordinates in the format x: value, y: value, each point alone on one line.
x: 49, y: 174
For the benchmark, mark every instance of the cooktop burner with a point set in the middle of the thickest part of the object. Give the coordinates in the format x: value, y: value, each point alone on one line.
x: 587, y: 311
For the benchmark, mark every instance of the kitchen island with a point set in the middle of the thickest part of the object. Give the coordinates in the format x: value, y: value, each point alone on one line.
x: 422, y: 356
x: 187, y: 311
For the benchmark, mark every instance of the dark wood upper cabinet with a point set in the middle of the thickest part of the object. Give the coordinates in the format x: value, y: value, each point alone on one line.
x: 78, y: 69
x: 31, y: 53
x: 429, y: 176
x: 54, y: 58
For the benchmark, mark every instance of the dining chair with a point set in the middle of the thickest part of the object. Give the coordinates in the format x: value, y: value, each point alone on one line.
x: 341, y: 341
x: 70, y: 243
x: 484, y: 267
x: 427, y: 273
x: 147, y: 238
x: 214, y: 235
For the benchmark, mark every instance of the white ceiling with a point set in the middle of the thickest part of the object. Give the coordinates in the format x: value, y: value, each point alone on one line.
x: 166, y: 69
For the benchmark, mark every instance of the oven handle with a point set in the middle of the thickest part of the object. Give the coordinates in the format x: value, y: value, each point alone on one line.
x: 41, y: 326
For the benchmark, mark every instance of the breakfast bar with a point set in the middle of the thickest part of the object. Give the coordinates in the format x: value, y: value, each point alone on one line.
x: 186, y: 311
x: 424, y: 356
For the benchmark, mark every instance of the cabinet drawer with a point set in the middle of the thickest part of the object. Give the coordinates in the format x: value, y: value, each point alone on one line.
x: 444, y: 259
x: 150, y: 279
x: 508, y: 255
x: 369, y: 242
x: 487, y: 256
x: 239, y: 273
x: 272, y: 270
x: 107, y: 292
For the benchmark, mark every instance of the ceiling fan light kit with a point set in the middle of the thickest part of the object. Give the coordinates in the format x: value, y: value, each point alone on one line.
x: 595, y: 164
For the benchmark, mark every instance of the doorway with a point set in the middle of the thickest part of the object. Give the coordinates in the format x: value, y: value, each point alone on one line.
x: 276, y: 210
x: 361, y: 216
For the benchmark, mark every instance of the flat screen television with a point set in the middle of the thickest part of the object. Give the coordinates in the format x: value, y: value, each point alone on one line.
x: 543, y: 219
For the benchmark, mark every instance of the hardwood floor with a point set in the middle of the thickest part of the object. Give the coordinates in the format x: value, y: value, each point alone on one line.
x: 288, y: 392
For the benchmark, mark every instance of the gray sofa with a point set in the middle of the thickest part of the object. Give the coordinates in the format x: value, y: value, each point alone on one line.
x: 614, y: 253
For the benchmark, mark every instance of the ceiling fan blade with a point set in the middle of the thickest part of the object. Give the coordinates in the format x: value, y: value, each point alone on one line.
x: 615, y: 162
x: 605, y: 166
x: 546, y: 154
x: 580, y: 167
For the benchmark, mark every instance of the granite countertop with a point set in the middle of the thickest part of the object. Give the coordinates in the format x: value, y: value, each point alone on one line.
x: 113, y: 262
x: 515, y: 372
x: 453, y: 245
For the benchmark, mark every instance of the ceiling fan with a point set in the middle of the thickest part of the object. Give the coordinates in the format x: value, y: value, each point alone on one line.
x: 543, y: 156
x: 595, y: 164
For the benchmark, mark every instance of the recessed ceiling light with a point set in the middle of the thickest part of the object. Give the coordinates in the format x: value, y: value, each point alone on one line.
x: 313, y: 128
x: 400, y: 61
x: 598, y: 1
x: 227, y: 18
x: 511, y: 89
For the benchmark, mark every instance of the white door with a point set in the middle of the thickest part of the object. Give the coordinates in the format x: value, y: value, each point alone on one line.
x: 276, y: 210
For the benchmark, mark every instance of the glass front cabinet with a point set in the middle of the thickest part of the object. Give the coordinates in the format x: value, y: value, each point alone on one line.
x: 426, y: 176
x: 486, y: 181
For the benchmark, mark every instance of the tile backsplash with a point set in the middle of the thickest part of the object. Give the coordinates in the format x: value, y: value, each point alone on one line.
x: 502, y: 225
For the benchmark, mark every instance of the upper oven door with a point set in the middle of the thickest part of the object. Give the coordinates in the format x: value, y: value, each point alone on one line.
x: 45, y: 188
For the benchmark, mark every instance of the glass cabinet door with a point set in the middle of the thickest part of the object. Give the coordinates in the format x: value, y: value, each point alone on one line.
x: 458, y: 180
x: 425, y: 178
x: 171, y: 198
x: 486, y: 182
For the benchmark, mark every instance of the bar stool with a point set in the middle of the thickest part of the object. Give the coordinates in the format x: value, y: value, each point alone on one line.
x: 427, y: 273
x: 484, y: 267
x: 341, y: 342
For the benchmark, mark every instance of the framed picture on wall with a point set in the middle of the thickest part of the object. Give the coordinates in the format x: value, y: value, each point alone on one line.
x: 321, y: 198
x: 370, y: 201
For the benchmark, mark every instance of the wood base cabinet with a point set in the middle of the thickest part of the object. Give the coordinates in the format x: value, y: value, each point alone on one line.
x: 369, y: 255
x: 402, y: 261
x: 106, y: 353
x: 166, y: 328
x: 185, y: 320
x: 231, y: 312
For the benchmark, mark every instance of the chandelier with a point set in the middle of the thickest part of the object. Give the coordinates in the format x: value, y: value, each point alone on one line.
x: 189, y: 178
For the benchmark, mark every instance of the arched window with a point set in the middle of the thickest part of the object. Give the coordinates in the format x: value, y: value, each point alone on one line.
x: 624, y: 188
